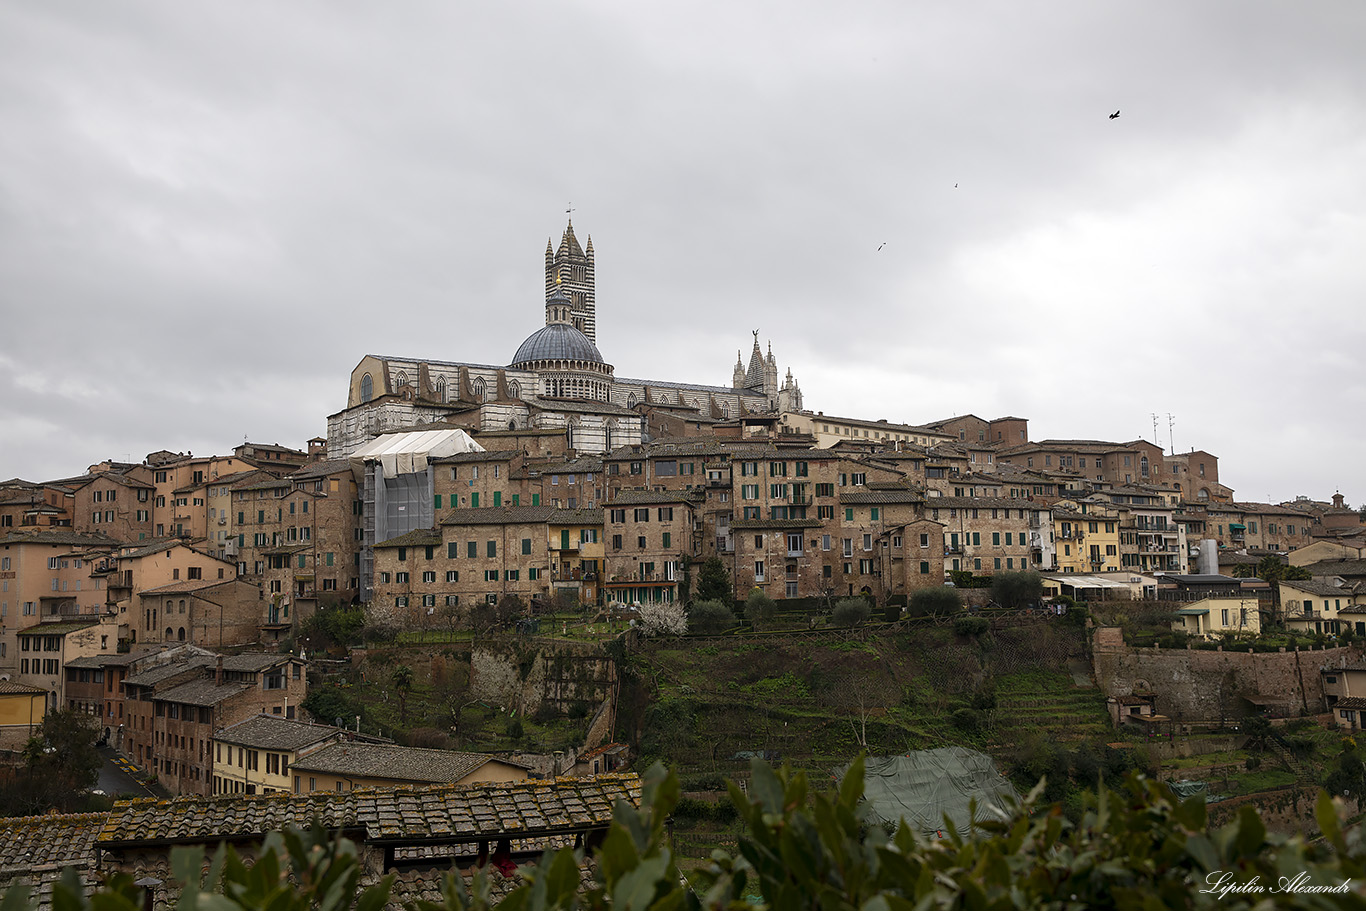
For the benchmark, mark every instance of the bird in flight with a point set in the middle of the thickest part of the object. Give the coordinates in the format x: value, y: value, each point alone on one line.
x: 1114, y: 115
x: 881, y: 245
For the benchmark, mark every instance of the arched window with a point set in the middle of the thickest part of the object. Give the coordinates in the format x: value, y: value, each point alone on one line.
x: 1143, y: 466
x: 441, y: 389
x: 631, y: 400
x: 512, y: 425
x: 1203, y: 495
x: 180, y: 634
x: 170, y: 634
x: 515, y: 389
x: 367, y: 388
x: 182, y: 605
x: 479, y: 387
x: 400, y: 380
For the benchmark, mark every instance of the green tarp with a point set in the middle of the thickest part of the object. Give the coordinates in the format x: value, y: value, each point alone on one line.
x: 924, y: 786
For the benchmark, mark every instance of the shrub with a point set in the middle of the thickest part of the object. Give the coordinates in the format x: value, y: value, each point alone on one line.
x: 966, y: 720
x: 892, y: 612
x: 710, y: 617
x: 850, y: 612
x: 935, y: 602
x: 970, y: 626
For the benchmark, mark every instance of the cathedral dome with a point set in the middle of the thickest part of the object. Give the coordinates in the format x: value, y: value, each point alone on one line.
x: 557, y: 342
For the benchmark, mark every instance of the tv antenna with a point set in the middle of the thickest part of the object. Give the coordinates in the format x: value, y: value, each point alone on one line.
x: 1171, y: 441
x: 1155, y: 443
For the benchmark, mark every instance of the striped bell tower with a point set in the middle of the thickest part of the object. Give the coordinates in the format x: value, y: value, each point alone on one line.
x: 570, y: 271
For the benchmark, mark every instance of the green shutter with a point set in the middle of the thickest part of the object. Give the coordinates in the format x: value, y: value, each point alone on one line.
x: 436, y: 501
x: 564, y: 540
x: 474, y: 500
x: 497, y: 498
x: 452, y: 550
x: 535, y: 499
x: 849, y: 515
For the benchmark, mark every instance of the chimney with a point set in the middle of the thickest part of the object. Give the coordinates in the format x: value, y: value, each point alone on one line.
x: 218, y: 672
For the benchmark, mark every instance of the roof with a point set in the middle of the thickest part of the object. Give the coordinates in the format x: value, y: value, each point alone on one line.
x: 642, y: 497
x: 557, y: 342
x: 1317, y: 588
x: 1192, y: 611
x: 12, y: 688
x: 491, y: 455
x: 1351, y: 702
x: 393, y: 762
x: 59, y: 536
x: 57, y: 629
x: 184, y: 586
x: 502, y: 515
x: 776, y: 523
x: 879, y: 497
x: 576, y: 517
x: 319, y: 469
x: 418, y: 537
x: 271, y: 732
x: 433, y: 813
x: 203, y: 691
x: 34, y: 849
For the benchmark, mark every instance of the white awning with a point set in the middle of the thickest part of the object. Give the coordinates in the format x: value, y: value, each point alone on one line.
x: 408, y: 453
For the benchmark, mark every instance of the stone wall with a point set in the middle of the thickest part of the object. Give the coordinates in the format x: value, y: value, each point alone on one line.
x: 1200, y: 685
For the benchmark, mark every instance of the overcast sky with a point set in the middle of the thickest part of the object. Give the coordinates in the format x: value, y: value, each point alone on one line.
x: 210, y: 212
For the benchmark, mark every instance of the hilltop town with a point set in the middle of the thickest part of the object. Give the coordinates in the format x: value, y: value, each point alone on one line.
x: 543, y: 570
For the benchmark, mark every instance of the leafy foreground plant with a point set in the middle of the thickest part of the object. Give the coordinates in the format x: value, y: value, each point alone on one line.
x: 1137, y: 849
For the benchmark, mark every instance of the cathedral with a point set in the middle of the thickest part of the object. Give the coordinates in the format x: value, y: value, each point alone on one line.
x: 557, y: 379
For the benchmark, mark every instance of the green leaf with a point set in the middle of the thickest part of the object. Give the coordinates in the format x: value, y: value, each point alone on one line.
x: 1326, y: 814
x: 16, y: 899
x: 766, y: 787
x: 377, y: 896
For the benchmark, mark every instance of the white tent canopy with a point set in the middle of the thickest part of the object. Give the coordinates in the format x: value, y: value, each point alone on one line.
x: 407, y: 453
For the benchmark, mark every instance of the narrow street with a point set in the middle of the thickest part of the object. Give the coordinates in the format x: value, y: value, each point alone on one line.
x: 120, y: 777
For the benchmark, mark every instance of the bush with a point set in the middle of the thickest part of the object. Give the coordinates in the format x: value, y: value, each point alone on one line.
x: 850, y: 612
x: 943, y: 601
x: 892, y: 612
x: 966, y: 720
x: 970, y: 626
x: 710, y: 617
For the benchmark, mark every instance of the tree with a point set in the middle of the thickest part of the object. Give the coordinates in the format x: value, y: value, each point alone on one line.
x: 760, y: 607
x: 1016, y: 590
x: 713, y: 582
x: 402, y: 678
x: 663, y: 618
x: 850, y: 612
x: 942, y: 601
x: 59, y: 765
x: 710, y: 617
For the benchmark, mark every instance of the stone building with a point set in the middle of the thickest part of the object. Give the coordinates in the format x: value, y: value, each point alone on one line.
x: 649, y: 542
x: 175, y: 708
x: 473, y: 556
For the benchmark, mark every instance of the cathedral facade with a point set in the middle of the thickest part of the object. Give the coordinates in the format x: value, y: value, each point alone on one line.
x: 557, y: 379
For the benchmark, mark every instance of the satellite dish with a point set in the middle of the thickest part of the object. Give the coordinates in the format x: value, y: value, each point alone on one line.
x: 339, y: 721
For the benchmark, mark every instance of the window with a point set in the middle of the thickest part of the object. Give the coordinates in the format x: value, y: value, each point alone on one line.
x: 429, y: 577
x: 490, y: 575
x: 758, y: 570
x: 666, y: 514
x: 668, y: 539
x: 642, y: 515
x: 401, y: 578
x: 526, y: 546
x: 640, y: 542
x: 492, y: 548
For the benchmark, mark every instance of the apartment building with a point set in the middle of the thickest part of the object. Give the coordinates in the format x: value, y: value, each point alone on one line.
x: 47, y: 574
x: 474, y: 480
x: 650, y: 537
x: 475, y: 555
x: 577, y: 554
x: 115, y: 504
x: 1086, y: 537
x: 257, y: 756
x: 174, y: 709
